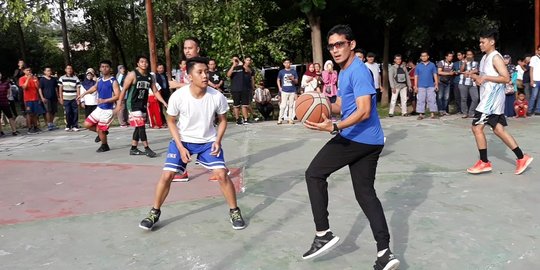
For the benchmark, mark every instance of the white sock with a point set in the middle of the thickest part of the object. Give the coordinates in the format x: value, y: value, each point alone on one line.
x: 380, y: 253
x: 322, y: 233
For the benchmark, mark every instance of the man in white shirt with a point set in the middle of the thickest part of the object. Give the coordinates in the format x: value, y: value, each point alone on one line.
x: 534, y: 102
x: 375, y: 69
x: 191, y: 114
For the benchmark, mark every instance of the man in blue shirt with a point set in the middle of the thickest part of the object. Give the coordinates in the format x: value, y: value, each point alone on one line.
x: 426, y: 83
x: 286, y: 81
x: 358, y: 143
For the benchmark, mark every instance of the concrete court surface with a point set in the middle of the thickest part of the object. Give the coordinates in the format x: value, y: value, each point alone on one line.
x: 64, y: 206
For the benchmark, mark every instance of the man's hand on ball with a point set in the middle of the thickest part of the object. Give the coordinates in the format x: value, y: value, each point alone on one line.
x: 325, y: 125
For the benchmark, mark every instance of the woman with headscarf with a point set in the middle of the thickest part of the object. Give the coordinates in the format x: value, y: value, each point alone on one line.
x: 329, y: 78
x: 510, y: 90
x: 89, y: 102
x: 309, y: 79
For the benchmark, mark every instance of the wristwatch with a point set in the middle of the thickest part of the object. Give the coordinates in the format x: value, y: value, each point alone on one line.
x: 336, y: 130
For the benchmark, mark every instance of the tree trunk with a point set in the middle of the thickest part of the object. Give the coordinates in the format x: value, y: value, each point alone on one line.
x: 167, y: 48
x: 22, y: 42
x: 65, y: 41
x: 316, y: 40
x: 117, y: 44
x: 386, y: 52
x: 151, y: 35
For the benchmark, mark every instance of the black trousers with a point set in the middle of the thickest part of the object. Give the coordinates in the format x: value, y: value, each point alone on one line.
x: 265, y: 109
x: 362, y: 161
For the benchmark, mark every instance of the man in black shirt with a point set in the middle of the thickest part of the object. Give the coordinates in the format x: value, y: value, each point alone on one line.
x: 238, y: 90
x: 214, y: 78
x: 49, y: 94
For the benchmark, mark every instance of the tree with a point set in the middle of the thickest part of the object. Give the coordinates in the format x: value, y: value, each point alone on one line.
x: 312, y: 9
x: 65, y: 41
x: 239, y: 27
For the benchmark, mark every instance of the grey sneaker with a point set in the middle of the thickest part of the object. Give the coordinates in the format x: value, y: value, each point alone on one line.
x: 152, y: 218
x: 236, y: 219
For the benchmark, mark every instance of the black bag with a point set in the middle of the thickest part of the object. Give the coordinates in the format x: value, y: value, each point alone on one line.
x: 401, y: 75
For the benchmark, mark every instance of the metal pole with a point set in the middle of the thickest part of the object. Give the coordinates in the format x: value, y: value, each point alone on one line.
x: 536, y: 23
x: 151, y: 35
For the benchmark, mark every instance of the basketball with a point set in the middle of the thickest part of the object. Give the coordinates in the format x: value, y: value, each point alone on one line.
x: 311, y: 106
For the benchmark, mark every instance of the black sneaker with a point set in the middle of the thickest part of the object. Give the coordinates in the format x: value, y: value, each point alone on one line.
x: 150, y: 220
x: 2, y: 134
x: 37, y: 130
x: 239, y: 122
x: 321, y: 244
x: 136, y: 152
x: 31, y: 131
x: 247, y: 122
x: 15, y: 133
x: 386, y: 262
x: 390, y: 115
x: 98, y: 139
x: 103, y: 148
x: 149, y: 153
x: 236, y: 219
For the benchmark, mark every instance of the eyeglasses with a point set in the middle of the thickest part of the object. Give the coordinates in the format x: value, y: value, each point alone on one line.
x: 337, y: 45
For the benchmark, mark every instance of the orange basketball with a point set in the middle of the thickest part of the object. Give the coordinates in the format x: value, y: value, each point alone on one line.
x: 311, y: 106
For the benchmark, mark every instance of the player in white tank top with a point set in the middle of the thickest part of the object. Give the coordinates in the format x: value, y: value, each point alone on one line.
x: 490, y: 111
x: 491, y: 93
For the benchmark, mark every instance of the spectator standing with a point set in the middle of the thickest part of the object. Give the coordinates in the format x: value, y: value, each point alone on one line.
x: 520, y: 69
x: 17, y: 74
x: 215, y: 80
x: 411, y: 68
x: 318, y: 72
x: 70, y: 88
x: 467, y: 87
x: 527, y: 77
x: 309, y: 79
x: 426, y: 85
x: 30, y: 85
x: 263, y: 101
x: 534, y: 102
x: 375, y: 69
x: 239, y: 91
x: 361, y: 54
x: 11, y: 98
x: 163, y: 82
x: 249, y: 84
x: 399, y: 83
x: 446, y: 75
x: 122, y: 115
x: 510, y: 90
x: 90, y: 101
x: 330, y: 77
x: 286, y: 81
x: 181, y: 74
x: 5, y: 89
x: 50, y: 95
x: 456, y: 67
x: 154, y: 110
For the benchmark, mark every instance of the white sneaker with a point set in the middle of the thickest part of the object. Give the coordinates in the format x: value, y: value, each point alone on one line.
x: 67, y: 129
x: 75, y: 129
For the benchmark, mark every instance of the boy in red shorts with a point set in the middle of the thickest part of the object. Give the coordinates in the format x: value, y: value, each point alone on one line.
x: 521, y: 105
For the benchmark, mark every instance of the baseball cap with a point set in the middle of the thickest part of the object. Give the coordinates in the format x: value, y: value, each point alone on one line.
x: 91, y: 70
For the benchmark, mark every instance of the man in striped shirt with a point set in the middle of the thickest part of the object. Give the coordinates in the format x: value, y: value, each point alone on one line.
x: 69, y: 88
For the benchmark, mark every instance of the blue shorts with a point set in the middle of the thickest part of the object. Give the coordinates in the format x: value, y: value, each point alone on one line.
x: 34, y: 107
x: 174, y: 162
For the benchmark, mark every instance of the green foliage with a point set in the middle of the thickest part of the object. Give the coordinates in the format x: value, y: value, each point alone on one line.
x: 312, y: 6
x: 239, y: 27
x: 24, y: 12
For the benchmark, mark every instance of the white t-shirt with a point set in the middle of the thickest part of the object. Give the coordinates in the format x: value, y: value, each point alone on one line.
x: 195, y: 117
x: 375, y: 69
x: 90, y: 99
x: 535, y: 63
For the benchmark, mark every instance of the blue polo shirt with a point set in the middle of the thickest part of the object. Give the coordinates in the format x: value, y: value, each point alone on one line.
x: 425, y: 74
x: 356, y: 81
